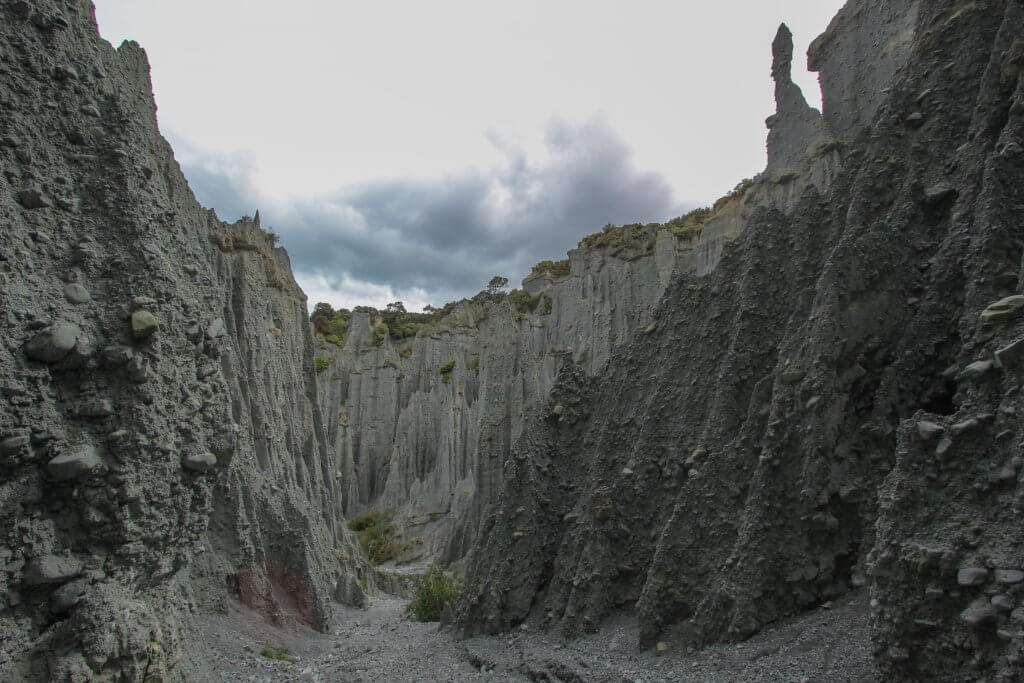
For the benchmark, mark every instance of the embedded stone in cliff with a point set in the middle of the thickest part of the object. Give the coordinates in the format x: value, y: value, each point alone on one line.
x: 976, y: 369
x: 73, y: 465
x: 940, y: 196
x: 1002, y: 602
x: 199, y: 462
x: 216, y: 329
x: 972, y: 576
x: 1011, y: 353
x: 979, y: 616
x: 117, y: 356
x: 67, y: 596
x: 929, y: 430
x: 1009, y: 576
x: 54, y: 343
x: 790, y: 377
x: 32, y: 198
x: 144, y: 324
x: 1004, y: 309
x: 138, y: 370
x: 51, y: 569
x: 77, y: 294
x: 140, y: 302
x: 97, y: 408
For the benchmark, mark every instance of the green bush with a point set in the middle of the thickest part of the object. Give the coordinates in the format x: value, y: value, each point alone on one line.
x: 380, y: 333
x: 521, y: 300
x: 544, y: 303
x: 376, y: 534
x: 556, y: 268
x: 281, y: 654
x: 447, y: 368
x: 434, y: 590
x: 322, y: 363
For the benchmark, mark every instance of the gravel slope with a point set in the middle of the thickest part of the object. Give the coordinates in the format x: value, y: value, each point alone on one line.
x: 377, y: 644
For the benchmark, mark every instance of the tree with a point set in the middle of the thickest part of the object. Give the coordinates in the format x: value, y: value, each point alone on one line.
x: 395, y: 307
x: 322, y: 314
x: 497, y: 284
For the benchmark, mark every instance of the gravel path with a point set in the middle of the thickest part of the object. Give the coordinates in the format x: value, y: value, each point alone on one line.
x: 378, y: 644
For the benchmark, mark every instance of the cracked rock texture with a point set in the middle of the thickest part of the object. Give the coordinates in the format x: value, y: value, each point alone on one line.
x: 810, y: 415
x: 161, y: 445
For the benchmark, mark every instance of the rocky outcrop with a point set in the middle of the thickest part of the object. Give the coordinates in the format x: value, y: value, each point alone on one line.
x: 161, y: 448
x: 824, y: 408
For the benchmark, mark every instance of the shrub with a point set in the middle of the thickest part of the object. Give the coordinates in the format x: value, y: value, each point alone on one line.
x: 322, y: 363
x: 434, y: 590
x: 556, y: 268
x: 281, y: 654
x: 447, y: 368
x: 521, y: 300
x: 329, y: 324
x: 545, y: 303
x: 380, y: 333
x: 376, y: 534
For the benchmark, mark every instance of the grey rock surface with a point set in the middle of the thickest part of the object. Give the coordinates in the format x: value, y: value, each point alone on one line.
x: 761, y: 451
x: 110, y: 540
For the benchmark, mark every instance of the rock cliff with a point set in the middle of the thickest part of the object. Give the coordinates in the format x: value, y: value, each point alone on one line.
x: 161, y: 444
x: 836, y: 403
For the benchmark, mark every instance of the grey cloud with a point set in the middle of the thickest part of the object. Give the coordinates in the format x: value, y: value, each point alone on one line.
x: 448, y: 236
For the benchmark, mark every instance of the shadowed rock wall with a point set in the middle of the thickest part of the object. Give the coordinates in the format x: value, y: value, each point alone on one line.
x: 831, y: 405
x: 161, y: 447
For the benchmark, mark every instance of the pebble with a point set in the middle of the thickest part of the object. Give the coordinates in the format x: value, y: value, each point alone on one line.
x: 14, y: 444
x: 976, y: 369
x: 67, y: 596
x: 971, y: 576
x: 216, y: 329
x: 1003, y: 603
x: 979, y: 616
x: 140, y: 302
x: 77, y: 294
x: 199, y: 462
x: 51, y: 569
x: 929, y: 430
x: 1011, y: 353
x: 32, y: 198
x: 73, y: 465
x: 1009, y: 576
x: 54, y: 343
x: 144, y: 324
x: 961, y: 427
x: 138, y: 369
x: 1004, y: 309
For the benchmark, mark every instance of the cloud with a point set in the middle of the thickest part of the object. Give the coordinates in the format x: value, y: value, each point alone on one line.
x: 443, y: 238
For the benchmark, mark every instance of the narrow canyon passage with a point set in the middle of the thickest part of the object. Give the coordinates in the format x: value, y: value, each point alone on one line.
x: 380, y: 644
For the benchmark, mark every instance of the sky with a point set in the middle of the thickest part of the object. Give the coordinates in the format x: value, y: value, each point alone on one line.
x: 410, y: 150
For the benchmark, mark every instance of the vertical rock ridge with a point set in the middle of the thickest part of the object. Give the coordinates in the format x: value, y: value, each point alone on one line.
x: 824, y: 409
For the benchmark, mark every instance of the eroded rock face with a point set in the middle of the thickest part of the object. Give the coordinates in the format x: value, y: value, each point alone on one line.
x: 760, y: 451
x: 432, y: 450
x: 145, y: 471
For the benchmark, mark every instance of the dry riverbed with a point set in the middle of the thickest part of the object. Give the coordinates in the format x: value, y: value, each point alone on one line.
x: 379, y: 644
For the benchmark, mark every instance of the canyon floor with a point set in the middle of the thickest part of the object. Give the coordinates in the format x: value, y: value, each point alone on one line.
x: 830, y: 643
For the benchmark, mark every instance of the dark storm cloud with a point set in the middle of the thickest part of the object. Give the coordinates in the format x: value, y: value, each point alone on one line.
x: 450, y: 235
